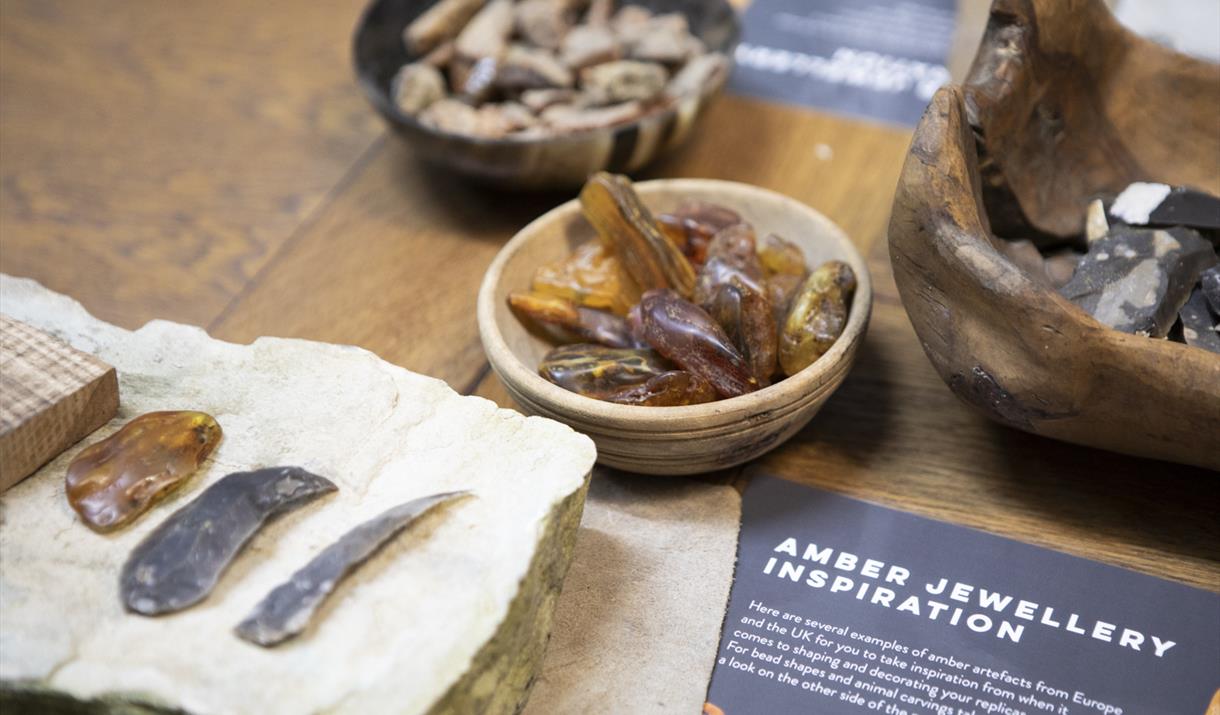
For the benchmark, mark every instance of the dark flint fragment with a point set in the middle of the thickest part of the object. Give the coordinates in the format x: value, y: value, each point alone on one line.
x: 1187, y: 207
x: 1200, y: 324
x: 1148, y: 204
x: 1136, y: 280
x: 1210, y: 281
x: 178, y: 564
x: 287, y: 610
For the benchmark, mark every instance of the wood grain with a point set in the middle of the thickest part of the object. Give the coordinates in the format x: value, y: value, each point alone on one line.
x: 155, y: 154
x: 392, y: 264
x: 51, y: 395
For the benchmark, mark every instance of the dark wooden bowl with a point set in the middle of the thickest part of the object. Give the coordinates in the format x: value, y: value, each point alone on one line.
x: 1062, y: 103
x: 548, y: 163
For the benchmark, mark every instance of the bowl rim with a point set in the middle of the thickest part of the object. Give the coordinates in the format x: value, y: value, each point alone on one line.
x: 384, y: 105
x: 518, y: 378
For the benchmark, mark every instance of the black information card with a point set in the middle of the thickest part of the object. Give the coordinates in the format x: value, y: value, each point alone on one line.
x: 840, y: 606
x: 878, y: 59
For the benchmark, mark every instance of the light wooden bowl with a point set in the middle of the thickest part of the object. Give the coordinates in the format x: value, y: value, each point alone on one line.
x: 671, y: 440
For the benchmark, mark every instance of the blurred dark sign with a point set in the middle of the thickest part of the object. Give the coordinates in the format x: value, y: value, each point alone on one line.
x: 840, y: 607
x: 880, y: 59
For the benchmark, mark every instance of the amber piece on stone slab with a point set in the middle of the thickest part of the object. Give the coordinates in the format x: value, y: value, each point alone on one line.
x: 591, y: 277
x: 670, y: 389
x: 114, y: 481
x: 779, y: 256
x: 629, y: 230
x: 687, y: 335
x: 596, y: 370
x: 565, y: 322
x: 746, y: 316
x: 817, y: 315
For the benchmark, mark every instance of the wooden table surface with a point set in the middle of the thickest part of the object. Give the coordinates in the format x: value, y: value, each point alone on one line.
x: 214, y: 163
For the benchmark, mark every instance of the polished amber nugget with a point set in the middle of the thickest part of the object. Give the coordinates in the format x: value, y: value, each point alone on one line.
x: 626, y: 227
x: 817, y: 316
x: 592, y: 277
x: 597, y: 371
x: 114, y: 481
x: 731, y: 258
x: 780, y: 289
x: 565, y: 322
x: 692, y: 225
x: 672, y: 389
x: 745, y: 314
x: 687, y: 335
x: 781, y: 257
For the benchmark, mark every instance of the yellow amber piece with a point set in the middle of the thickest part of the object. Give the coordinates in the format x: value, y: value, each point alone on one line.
x: 114, y: 481
x: 625, y: 226
x: 563, y: 321
x: 817, y: 316
x: 779, y: 256
x: 592, y: 277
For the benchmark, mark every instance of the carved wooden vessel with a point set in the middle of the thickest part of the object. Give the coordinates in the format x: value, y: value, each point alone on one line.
x: 1062, y: 103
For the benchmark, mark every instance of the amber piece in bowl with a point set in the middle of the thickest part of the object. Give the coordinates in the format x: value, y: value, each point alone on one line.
x: 671, y: 389
x: 592, y: 277
x: 692, y: 225
x: 719, y: 271
x: 817, y: 316
x: 781, y: 257
x: 780, y: 288
x: 596, y: 370
x: 746, y: 316
x: 737, y: 245
x: 629, y: 230
x: 114, y: 481
x: 687, y: 335
x: 563, y: 321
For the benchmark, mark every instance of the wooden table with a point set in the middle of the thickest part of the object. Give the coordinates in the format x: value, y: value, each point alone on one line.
x: 214, y: 163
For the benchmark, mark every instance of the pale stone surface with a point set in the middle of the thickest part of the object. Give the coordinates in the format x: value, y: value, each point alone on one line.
x: 399, y: 636
x: 638, y: 623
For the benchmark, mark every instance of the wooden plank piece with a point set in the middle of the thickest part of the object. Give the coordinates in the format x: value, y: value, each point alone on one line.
x: 51, y: 396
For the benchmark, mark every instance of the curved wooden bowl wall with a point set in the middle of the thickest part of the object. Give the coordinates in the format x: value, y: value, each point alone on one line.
x: 1062, y: 103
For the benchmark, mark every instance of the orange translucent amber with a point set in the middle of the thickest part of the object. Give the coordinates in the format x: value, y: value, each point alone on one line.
x: 624, y: 225
x: 592, y: 277
x: 114, y: 481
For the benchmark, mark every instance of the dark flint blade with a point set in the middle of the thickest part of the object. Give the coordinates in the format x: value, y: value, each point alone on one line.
x: 288, y: 609
x: 179, y: 563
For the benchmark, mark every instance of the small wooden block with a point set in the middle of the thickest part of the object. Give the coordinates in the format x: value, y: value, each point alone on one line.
x: 51, y: 396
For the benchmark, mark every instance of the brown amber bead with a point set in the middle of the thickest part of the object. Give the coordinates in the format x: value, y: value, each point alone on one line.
x: 565, y: 322
x: 670, y: 389
x: 629, y: 230
x: 592, y: 277
x: 736, y: 244
x: 780, y: 289
x: 597, y: 371
x: 817, y: 315
x: 692, y: 225
x: 114, y: 481
x: 780, y: 257
x: 719, y: 271
x: 687, y: 335
x: 745, y: 314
